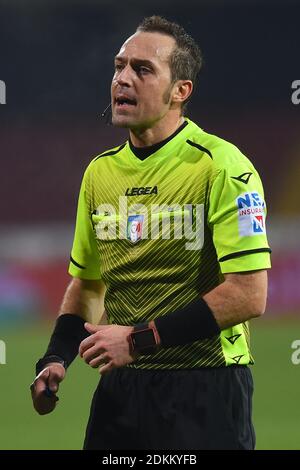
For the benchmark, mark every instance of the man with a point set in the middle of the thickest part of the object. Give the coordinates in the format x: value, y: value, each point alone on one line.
x: 179, y: 292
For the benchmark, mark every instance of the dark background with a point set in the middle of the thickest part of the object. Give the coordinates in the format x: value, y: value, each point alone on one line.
x: 56, y: 59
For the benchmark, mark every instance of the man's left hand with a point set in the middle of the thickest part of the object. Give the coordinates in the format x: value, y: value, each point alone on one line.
x: 108, y: 345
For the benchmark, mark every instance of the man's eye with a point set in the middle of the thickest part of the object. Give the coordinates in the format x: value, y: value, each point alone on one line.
x: 118, y: 67
x: 143, y: 70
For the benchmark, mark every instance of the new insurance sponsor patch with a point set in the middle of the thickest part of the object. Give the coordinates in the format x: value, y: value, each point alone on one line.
x: 251, y: 214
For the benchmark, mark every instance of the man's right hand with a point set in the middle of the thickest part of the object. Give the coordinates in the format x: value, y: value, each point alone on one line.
x: 45, y: 386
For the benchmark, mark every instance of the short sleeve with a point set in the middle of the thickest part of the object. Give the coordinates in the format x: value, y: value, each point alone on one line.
x: 237, y: 220
x: 85, y: 262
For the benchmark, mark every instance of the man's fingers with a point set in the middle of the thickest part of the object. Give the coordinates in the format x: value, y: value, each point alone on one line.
x: 91, y: 340
x: 56, y: 375
x: 106, y: 368
x: 50, y: 394
x: 43, y: 404
x: 91, y: 353
x: 53, y: 382
x: 86, y: 344
x: 45, y: 386
x: 44, y: 401
x: 97, y: 361
x: 90, y: 327
x: 41, y: 381
x: 47, y: 381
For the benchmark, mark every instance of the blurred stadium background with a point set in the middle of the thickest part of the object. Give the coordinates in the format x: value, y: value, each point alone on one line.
x: 56, y: 61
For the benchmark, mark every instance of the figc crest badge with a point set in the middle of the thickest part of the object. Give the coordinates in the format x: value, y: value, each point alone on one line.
x: 135, y: 227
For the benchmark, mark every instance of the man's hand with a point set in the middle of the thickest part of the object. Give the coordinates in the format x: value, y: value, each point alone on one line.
x: 107, y: 345
x: 45, y: 386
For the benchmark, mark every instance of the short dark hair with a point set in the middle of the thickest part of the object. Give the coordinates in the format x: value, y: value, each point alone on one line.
x: 186, y: 60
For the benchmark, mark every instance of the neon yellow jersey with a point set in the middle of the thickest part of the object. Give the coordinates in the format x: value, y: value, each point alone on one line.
x: 162, y: 231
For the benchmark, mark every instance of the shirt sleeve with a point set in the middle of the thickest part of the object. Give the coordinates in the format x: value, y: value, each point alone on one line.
x: 236, y: 217
x: 85, y: 260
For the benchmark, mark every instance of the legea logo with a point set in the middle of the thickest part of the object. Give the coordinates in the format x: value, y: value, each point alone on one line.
x: 2, y: 92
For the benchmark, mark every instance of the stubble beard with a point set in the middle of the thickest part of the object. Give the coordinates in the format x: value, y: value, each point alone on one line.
x: 166, y: 99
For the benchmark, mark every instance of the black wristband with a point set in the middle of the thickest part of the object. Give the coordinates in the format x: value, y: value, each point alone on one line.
x: 191, y: 323
x: 42, y: 363
x: 67, y: 335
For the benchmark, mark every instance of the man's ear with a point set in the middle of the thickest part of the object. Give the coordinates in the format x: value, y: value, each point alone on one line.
x: 182, y: 91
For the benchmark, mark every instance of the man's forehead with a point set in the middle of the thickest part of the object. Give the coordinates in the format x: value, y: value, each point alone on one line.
x: 147, y: 46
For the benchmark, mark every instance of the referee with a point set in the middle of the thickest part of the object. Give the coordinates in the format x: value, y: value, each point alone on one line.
x: 170, y: 237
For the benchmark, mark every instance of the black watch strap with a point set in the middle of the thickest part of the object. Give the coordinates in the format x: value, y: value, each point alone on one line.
x: 42, y: 363
x: 140, y: 326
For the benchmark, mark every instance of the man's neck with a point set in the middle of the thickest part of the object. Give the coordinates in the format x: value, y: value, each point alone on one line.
x: 162, y: 130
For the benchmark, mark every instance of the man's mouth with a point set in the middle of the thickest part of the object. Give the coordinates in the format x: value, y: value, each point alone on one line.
x: 123, y: 102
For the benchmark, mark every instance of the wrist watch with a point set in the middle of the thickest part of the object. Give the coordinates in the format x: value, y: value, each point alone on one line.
x: 42, y: 363
x: 142, y: 340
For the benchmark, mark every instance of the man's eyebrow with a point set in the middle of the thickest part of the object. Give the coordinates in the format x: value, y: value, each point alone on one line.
x: 136, y: 61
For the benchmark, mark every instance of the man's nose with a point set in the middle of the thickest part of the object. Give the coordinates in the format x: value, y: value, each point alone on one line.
x: 125, y: 77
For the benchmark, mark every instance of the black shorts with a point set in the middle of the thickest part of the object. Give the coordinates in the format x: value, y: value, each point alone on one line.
x: 172, y: 409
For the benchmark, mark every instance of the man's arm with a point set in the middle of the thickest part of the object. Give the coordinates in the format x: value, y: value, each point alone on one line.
x: 241, y: 297
x: 85, y: 300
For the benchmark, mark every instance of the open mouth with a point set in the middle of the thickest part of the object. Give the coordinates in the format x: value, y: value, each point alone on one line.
x: 123, y: 102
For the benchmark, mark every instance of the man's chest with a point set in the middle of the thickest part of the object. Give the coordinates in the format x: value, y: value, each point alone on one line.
x: 174, y: 183
x: 159, y: 202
